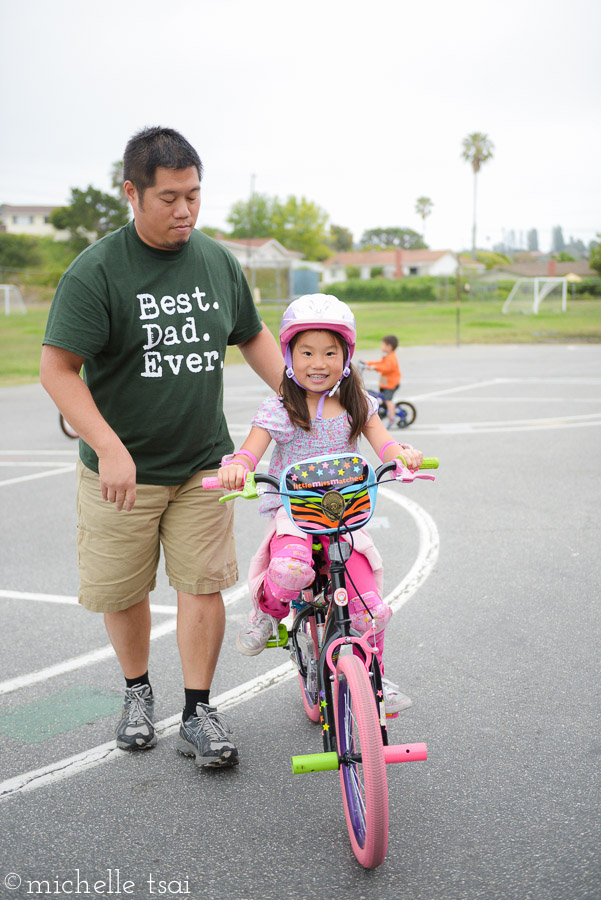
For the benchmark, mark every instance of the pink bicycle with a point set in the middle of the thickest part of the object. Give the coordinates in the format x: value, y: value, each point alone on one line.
x: 329, y: 497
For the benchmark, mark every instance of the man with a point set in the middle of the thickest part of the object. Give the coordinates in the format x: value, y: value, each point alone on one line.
x: 148, y: 311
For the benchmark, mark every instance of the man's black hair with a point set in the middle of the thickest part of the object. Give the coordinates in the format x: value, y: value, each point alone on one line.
x: 153, y: 147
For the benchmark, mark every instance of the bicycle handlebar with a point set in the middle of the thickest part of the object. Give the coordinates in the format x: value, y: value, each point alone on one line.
x: 253, y: 478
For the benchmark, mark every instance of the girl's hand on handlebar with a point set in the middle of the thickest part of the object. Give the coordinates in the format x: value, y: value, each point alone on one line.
x: 232, y: 477
x: 412, y: 459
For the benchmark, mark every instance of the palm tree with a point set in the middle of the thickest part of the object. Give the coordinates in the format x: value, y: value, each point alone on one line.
x: 423, y: 207
x: 477, y: 149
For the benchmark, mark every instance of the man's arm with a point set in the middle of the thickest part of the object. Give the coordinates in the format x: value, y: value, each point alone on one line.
x: 264, y: 356
x: 59, y: 374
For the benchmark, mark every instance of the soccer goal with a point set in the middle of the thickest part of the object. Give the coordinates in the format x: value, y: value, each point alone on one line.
x: 13, y: 301
x: 527, y: 295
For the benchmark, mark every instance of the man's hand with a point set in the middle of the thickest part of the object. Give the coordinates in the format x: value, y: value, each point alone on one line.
x: 117, y: 472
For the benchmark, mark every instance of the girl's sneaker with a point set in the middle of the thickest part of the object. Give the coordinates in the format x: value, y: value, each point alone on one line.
x: 252, y: 639
x: 394, y: 701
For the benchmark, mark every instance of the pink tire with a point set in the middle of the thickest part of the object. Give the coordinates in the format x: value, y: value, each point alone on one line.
x: 364, y: 784
x: 309, y: 697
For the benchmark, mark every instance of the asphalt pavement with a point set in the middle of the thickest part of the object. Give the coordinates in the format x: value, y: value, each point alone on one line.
x: 494, y: 569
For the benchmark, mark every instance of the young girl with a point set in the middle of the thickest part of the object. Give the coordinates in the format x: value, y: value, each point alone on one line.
x: 322, y: 409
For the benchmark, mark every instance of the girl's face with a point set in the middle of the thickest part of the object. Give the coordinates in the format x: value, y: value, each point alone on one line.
x: 317, y: 360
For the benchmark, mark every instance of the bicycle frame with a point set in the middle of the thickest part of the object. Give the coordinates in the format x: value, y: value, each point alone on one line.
x: 333, y: 625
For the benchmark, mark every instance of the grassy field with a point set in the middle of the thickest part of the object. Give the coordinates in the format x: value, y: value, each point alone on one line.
x: 414, y: 323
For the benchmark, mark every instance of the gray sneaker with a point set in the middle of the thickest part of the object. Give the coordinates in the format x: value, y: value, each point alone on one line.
x: 136, y: 731
x: 252, y: 639
x: 207, y: 737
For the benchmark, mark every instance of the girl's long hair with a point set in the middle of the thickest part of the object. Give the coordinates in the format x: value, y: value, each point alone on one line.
x: 351, y: 393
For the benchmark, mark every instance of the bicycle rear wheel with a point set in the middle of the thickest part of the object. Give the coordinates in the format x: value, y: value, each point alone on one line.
x: 362, y: 768
x: 405, y: 413
x: 307, y: 641
x: 66, y: 428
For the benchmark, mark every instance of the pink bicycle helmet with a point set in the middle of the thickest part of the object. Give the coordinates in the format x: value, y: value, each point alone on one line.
x: 317, y: 312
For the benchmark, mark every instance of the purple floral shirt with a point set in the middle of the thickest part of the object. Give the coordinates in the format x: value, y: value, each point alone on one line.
x: 293, y: 443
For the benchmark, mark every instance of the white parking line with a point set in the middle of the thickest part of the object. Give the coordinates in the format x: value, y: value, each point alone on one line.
x: 102, y: 653
x: 70, y: 600
x: 81, y: 762
x: 548, y: 423
x: 27, y: 464
x: 21, y: 478
x: 38, y: 453
x: 456, y: 390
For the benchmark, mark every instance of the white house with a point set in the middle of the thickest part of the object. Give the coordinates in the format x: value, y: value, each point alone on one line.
x: 32, y: 220
x: 267, y: 253
x: 394, y: 263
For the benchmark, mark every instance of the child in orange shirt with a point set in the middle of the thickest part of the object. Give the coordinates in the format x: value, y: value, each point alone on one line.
x: 390, y: 374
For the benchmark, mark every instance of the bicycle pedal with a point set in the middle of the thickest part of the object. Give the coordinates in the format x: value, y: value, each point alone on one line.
x: 392, y: 715
x: 282, y: 638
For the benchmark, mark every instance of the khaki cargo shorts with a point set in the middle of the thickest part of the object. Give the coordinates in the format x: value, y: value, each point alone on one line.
x: 119, y: 552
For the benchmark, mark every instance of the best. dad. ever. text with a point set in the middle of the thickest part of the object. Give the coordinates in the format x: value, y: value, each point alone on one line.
x: 170, y: 335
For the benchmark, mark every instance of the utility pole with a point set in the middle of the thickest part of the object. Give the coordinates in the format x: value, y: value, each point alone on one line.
x: 458, y: 301
x: 253, y: 277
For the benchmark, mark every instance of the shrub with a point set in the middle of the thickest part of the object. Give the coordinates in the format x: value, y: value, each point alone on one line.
x: 380, y: 290
x: 19, y: 251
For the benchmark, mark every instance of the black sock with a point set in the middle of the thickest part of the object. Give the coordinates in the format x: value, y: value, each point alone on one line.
x: 143, y: 679
x: 192, y: 698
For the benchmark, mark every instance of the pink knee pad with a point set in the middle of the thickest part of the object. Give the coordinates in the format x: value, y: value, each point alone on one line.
x: 361, y: 619
x: 291, y: 568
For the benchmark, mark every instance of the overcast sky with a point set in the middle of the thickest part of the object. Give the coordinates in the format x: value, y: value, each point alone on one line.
x: 359, y: 106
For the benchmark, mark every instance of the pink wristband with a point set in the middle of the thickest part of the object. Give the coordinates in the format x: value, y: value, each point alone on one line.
x: 228, y: 460
x: 386, y: 446
x: 250, y: 455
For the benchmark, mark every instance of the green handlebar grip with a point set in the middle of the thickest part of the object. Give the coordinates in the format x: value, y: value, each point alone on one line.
x: 248, y: 492
x: 314, y: 762
x: 429, y: 462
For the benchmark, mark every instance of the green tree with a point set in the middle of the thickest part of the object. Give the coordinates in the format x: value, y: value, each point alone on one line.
x: 253, y: 217
x: 341, y: 239
x: 594, y: 259
x: 90, y: 215
x: 302, y: 225
x: 477, y: 149
x: 117, y: 182
x: 297, y: 223
x: 391, y: 238
x: 423, y: 207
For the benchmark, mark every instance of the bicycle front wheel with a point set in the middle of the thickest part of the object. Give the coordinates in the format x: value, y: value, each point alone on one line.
x: 405, y: 413
x: 362, y: 767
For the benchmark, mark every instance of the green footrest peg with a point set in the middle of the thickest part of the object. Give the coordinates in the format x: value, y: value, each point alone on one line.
x: 282, y: 638
x: 315, y: 762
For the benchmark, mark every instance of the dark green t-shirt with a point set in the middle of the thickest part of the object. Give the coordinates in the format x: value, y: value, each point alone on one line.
x: 153, y: 326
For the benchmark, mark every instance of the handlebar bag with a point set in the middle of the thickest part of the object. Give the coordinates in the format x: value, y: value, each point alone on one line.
x: 327, y: 494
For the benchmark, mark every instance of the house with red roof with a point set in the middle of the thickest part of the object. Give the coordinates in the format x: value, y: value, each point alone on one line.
x: 396, y: 263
